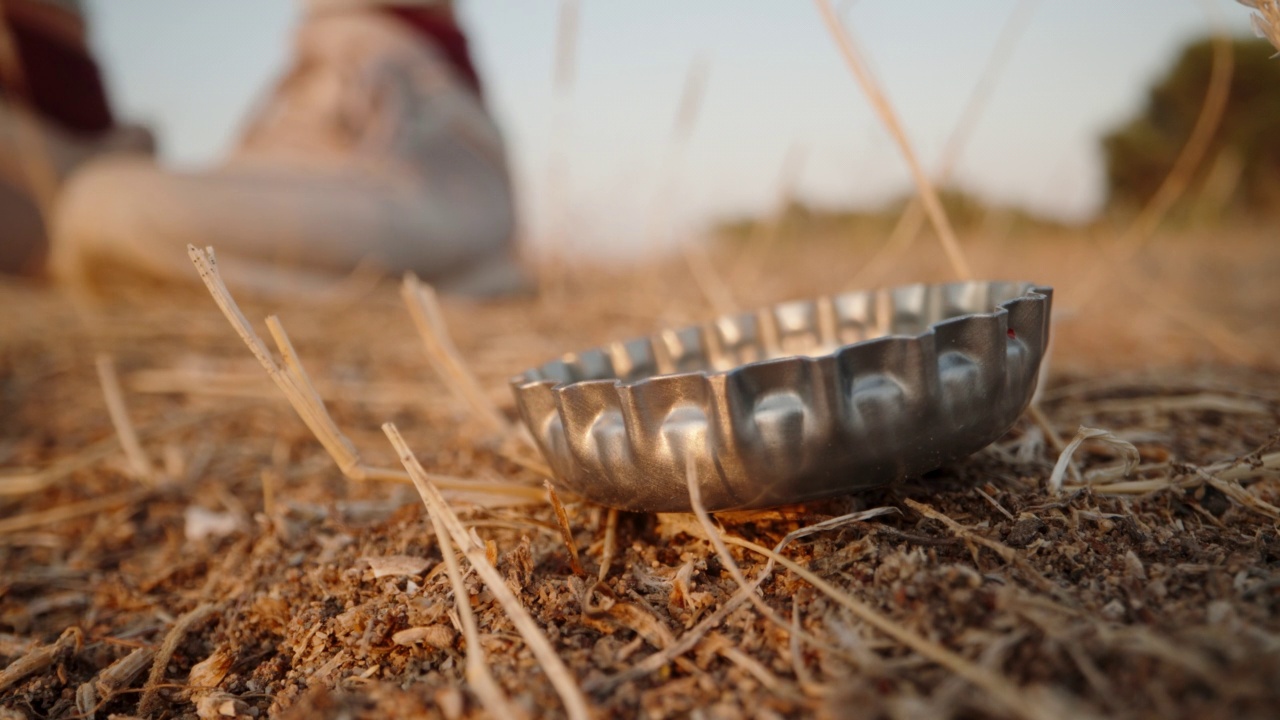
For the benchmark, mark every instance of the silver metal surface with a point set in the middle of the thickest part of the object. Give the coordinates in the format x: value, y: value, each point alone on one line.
x: 799, y: 401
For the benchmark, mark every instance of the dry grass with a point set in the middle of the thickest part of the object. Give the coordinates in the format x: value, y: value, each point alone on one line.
x: 988, y: 594
x: 1267, y: 20
x: 1036, y: 579
x: 924, y: 185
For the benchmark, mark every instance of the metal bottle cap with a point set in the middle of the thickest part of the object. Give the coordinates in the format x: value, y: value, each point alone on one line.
x: 799, y: 401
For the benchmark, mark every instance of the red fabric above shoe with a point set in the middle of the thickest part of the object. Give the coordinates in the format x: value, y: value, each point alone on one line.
x: 56, y: 76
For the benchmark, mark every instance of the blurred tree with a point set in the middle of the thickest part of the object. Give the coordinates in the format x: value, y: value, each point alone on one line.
x: 1241, y: 171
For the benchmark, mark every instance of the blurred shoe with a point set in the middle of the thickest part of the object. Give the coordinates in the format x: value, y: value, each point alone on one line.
x: 374, y: 145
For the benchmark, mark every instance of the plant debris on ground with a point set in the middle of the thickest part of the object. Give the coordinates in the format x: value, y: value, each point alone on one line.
x: 225, y: 567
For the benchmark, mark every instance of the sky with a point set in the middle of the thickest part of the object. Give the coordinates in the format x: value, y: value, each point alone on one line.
x: 774, y: 94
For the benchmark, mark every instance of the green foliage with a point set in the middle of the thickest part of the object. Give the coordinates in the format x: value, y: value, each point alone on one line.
x: 1241, y: 171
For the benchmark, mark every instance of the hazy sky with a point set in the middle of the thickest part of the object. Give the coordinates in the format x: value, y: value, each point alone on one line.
x: 773, y: 81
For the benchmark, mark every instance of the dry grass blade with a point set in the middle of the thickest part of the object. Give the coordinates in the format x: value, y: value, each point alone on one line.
x: 610, y: 543
x: 690, y: 639
x: 909, y: 224
x: 726, y: 559
x: 684, y: 643
x: 1202, y: 134
x: 149, y: 704
x: 687, y: 112
x: 70, y: 511
x: 995, y: 504
x: 298, y: 390
x: 139, y: 465
x: 297, y: 387
x: 835, y: 523
x: 764, y: 237
x: 1005, y: 552
x: 725, y: 649
x: 708, y: 279
x: 1204, y: 401
x: 722, y: 552
x: 1174, y: 186
x: 1233, y: 490
x: 1050, y: 432
x: 999, y: 688
x: 557, y: 182
x: 28, y: 482
x: 251, y: 384
x: 486, y: 689
x: 39, y: 658
x: 24, y: 483
x: 1224, y: 477
x: 443, y: 355
x: 1241, y: 471
x: 1175, y: 307
x: 566, y: 533
x: 1266, y: 22
x: 575, y: 702
x: 1130, y: 453
x: 928, y: 194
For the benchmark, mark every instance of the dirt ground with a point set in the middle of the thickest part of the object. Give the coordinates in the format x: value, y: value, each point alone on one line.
x: 236, y: 572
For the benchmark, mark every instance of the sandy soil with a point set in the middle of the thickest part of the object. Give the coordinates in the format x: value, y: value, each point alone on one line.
x: 236, y: 572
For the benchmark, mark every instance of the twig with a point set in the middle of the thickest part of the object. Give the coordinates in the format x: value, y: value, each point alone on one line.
x: 139, y: 465
x: 93, y: 694
x: 39, y: 658
x: 149, y: 704
x: 570, y: 694
x: 566, y: 533
x: 123, y: 672
x: 443, y: 355
x: 928, y: 194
